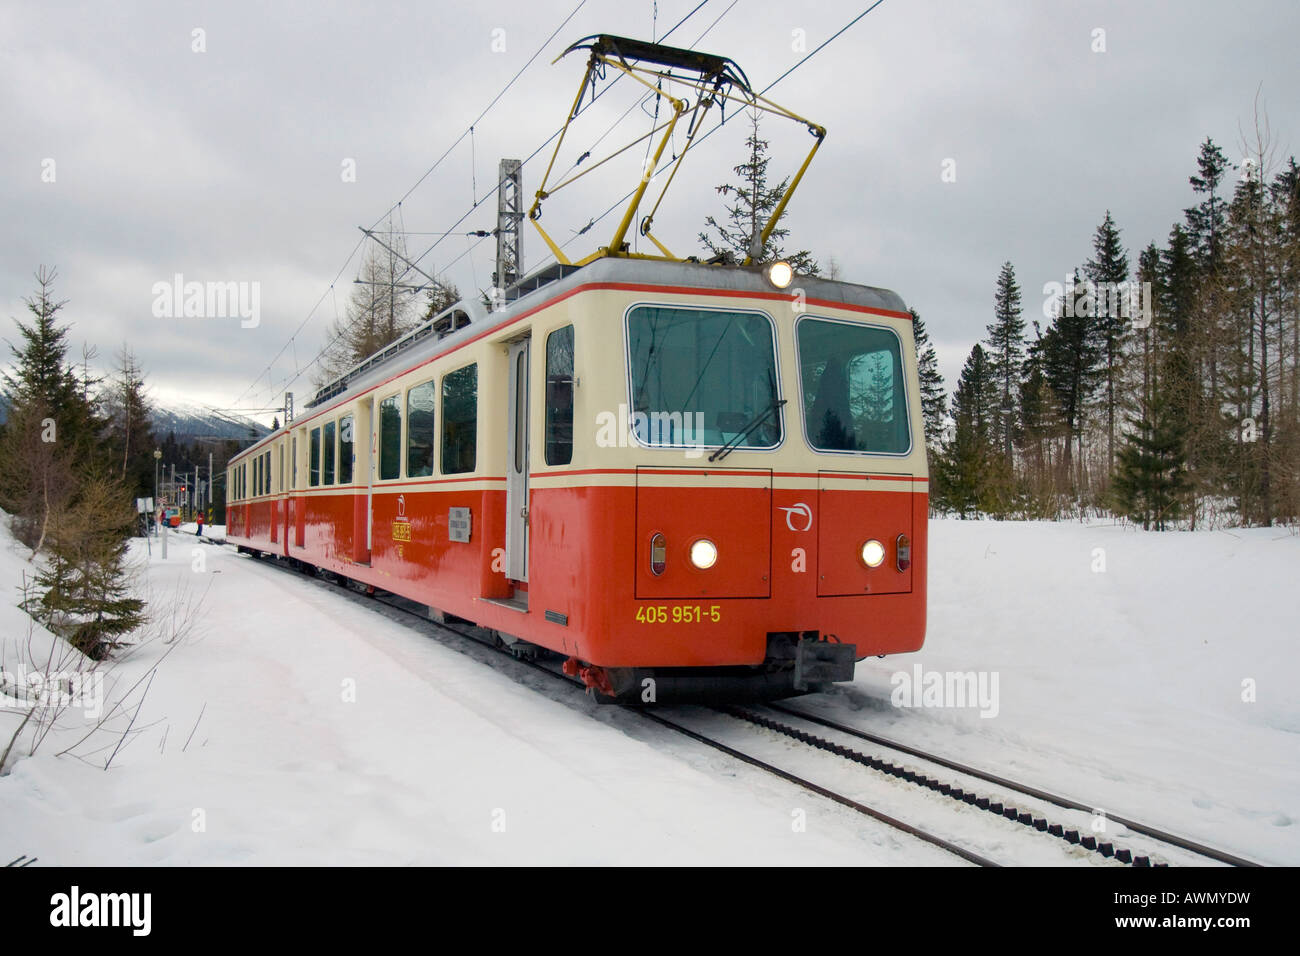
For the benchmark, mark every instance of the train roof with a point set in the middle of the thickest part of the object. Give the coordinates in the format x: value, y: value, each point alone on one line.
x: 438, y: 335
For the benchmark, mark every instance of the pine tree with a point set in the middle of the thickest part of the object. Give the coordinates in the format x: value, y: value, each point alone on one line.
x: 1210, y: 335
x: 933, y: 399
x: 1151, y: 479
x: 1071, y: 365
x: 42, y: 375
x: 1006, y: 350
x: 1108, y: 271
x: 1206, y: 221
x: 85, y: 590
x: 51, y: 429
x: 753, y: 202
x: 1040, y: 428
x: 970, y: 477
x: 129, y: 433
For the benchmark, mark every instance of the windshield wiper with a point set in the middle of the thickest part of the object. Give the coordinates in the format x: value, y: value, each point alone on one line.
x: 757, y: 420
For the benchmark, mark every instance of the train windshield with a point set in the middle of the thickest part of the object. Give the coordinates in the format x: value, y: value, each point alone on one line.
x: 854, y: 398
x: 703, y: 377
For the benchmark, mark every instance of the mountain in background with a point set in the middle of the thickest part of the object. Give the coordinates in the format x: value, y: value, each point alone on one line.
x: 189, y: 422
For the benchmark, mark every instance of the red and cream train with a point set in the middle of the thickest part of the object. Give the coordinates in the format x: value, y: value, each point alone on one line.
x: 692, y: 484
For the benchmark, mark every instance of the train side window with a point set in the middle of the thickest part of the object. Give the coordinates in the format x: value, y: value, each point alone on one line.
x: 345, y: 450
x: 293, y: 462
x: 390, y: 439
x: 315, y: 457
x: 266, y: 473
x: 328, y: 451
x: 459, y: 420
x: 559, y: 396
x: 257, y: 476
x: 419, y: 430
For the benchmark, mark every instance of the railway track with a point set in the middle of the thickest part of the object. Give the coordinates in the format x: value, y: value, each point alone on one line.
x: 1019, y: 815
x: 1162, y: 836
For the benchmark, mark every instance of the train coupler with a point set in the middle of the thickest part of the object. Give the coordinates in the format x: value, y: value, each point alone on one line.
x: 818, y: 661
x: 592, y: 677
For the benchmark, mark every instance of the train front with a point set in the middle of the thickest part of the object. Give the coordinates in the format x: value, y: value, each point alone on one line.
x: 770, y: 448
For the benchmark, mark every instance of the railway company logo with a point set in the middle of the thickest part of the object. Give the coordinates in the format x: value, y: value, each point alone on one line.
x: 798, y: 514
x: 401, y: 524
x: 961, y: 689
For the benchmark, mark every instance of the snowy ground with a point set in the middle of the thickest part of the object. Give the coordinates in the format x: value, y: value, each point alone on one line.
x: 292, y: 724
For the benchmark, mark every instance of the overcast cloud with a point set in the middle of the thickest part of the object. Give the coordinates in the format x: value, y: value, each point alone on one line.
x: 225, y: 165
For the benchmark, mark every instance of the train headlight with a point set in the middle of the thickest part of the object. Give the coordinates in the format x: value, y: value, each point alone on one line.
x: 704, y: 554
x: 780, y: 274
x: 873, y: 553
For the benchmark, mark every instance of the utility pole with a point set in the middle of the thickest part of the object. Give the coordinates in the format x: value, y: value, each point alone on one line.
x: 510, y: 217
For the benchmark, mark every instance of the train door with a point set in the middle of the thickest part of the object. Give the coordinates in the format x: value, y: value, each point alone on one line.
x: 352, y: 454
x: 371, y: 417
x: 277, y: 503
x: 517, y: 465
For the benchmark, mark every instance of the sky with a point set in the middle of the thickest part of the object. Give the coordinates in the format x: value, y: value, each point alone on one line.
x: 246, y: 143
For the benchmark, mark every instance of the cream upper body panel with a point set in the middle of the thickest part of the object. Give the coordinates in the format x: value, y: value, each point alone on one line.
x: 596, y: 300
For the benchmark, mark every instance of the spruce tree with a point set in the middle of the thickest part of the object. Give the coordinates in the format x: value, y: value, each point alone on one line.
x: 1071, y: 365
x: 1109, y: 272
x: 1151, y: 479
x: 85, y: 591
x: 933, y: 399
x: 1006, y: 350
x: 130, y: 432
x: 42, y: 376
x: 752, y: 204
x: 970, y: 477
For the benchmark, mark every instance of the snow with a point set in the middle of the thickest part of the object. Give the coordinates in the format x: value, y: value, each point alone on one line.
x: 293, y: 724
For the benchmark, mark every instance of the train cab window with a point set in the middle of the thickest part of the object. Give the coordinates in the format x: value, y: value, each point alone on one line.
x: 419, y: 430
x: 315, y: 457
x: 459, y: 420
x: 345, y: 450
x: 559, y: 396
x: 328, y: 451
x: 390, y: 439
x: 854, y: 398
x: 703, y: 377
